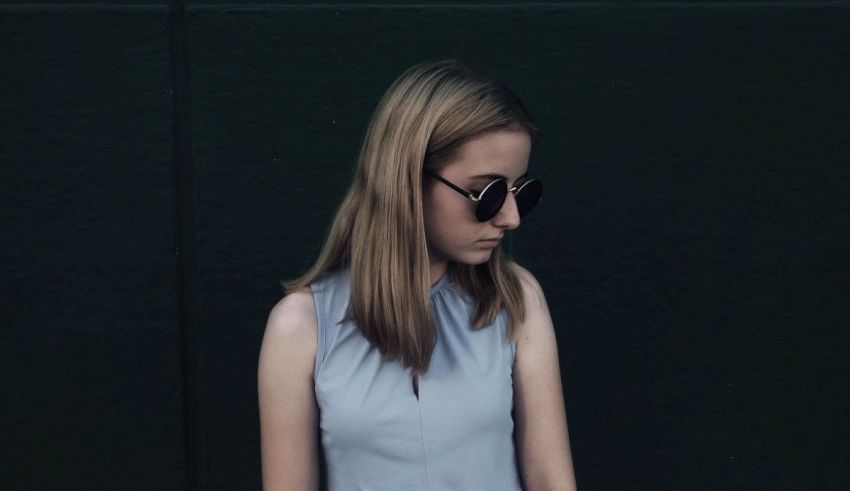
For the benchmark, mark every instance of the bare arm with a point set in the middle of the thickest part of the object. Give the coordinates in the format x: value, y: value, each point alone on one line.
x: 288, y: 410
x: 541, y: 436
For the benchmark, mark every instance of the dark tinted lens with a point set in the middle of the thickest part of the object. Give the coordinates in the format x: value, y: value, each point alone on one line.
x: 528, y: 195
x: 491, y: 200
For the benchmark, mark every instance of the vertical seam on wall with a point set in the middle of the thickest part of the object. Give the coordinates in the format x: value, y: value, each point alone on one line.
x: 186, y: 248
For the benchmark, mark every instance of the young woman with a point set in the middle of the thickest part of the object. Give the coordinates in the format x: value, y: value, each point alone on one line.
x: 413, y: 351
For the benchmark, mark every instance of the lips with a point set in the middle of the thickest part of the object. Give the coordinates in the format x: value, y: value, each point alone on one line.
x: 490, y: 242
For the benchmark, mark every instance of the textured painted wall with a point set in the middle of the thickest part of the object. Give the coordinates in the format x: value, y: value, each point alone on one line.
x: 693, y: 241
x: 88, y: 314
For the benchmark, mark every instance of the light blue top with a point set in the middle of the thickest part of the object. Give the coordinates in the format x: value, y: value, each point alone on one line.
x: 377, y: 435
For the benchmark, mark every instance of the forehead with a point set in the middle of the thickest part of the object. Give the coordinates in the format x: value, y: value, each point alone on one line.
x: 496, y: 153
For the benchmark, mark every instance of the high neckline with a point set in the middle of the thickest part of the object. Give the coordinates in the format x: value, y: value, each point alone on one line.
x: 441, y: 283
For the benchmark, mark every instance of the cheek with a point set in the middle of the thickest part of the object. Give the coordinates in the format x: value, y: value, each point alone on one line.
x: 444, y: 218
x: 436, y: 223
x: 450, y: 224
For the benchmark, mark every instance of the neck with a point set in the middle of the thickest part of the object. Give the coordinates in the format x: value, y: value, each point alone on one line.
x: 438, y: 268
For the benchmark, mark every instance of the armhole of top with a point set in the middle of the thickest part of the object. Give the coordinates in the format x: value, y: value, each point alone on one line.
x: 513, y: 346
x: 511, y: 343
x: 320, y: 329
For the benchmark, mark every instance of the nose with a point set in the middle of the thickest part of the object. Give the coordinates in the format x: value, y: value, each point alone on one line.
x: 508, y: 216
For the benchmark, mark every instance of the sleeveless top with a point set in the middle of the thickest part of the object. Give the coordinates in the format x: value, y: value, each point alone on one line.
x: 378, y: 435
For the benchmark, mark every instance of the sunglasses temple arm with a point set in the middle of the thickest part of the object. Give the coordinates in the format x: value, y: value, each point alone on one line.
x: 456, y: 188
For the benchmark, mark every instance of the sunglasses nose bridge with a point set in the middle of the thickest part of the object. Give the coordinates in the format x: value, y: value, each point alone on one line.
x: 512, y: 196
x: 508, y: 214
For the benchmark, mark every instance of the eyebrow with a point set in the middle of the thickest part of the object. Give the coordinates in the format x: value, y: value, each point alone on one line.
x: 496, y: 176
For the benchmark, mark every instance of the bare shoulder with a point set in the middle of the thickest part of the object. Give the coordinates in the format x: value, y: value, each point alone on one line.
x: 535, y: 331
x: 295, y: 311
x: 287, y: 402
x: 532, y: 292
x: 291, y: 330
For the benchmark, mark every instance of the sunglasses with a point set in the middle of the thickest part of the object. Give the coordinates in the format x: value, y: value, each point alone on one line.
x: 490, y: 200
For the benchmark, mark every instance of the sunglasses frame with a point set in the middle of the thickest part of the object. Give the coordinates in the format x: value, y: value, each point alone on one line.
x: 473, y: 197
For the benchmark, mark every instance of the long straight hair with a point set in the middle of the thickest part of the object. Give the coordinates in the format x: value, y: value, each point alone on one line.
x: 379, y: 232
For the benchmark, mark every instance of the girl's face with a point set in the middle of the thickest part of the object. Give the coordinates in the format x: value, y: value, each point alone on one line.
x: 451, y: 230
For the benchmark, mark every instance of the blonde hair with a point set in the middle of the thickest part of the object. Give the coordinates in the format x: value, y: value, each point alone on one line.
x: 378, y: 231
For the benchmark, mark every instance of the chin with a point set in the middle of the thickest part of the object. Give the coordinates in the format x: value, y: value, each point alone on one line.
x: 474, y: 258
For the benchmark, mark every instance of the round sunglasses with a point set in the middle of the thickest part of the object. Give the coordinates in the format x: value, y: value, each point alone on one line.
x: 490, y: 200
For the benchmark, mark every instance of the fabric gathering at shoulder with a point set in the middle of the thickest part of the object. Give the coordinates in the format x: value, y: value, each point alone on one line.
x: 322, y: 290
x: 320, y: 326
x: 503, y: 313
x: 511, y: 342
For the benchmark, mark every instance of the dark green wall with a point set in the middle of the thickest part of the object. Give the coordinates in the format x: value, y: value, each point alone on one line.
x: 162, y: 169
